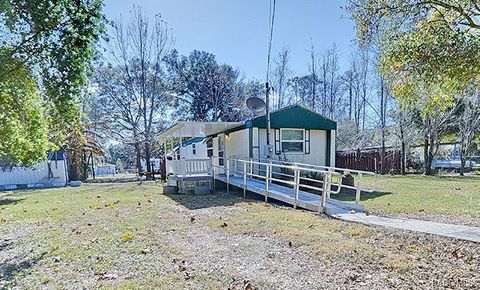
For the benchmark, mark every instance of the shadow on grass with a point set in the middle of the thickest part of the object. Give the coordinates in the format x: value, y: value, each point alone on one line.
x: 220, y: 197
x: 349, y: 195
x: 115, y: 180
x: 12, y: 268
x: 192, y: 202
x: 10, y: 201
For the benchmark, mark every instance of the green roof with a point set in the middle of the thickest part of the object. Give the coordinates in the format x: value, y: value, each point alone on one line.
x: 294, y: 116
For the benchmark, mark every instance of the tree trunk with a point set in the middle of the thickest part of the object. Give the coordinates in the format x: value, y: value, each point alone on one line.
x: 403, y: 167
x: 75, y: 160
x: 147, y: 160
x: 463, y: 157
x: 138, y: 157
x: 382, y: 154
x: 427, y: 156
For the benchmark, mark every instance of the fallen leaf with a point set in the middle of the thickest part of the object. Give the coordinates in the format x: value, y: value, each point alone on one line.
x: 126, y: 237
x: 192, y: 219
x: 247, y: 285
x: 149, y: 200
x: 105, y: 276
x: 224, y: 225
x: 310, y: 226
x: 457, y: 254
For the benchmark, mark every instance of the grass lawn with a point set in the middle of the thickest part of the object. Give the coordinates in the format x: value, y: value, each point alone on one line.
x: 447, y: 199
x: 132, y: 236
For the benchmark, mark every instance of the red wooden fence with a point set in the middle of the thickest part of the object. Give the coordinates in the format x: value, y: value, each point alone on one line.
x: 369, y: 161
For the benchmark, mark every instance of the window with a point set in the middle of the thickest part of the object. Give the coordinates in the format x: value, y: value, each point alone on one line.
x: 292, y: 140
x: 210, y: 147
x: 221, y: 148
x: 194, y: 151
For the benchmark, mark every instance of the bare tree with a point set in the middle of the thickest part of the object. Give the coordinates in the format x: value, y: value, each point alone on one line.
x: 281, y: 74
x: 122, y: 108
x: 333, y: 80
x: 434, y: 125
x: 406, y: 131
x: 139, y: 49
x: 468, y: 123
x: 313, y: 73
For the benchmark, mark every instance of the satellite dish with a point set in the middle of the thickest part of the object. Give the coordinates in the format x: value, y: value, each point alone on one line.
x: 255, y: 104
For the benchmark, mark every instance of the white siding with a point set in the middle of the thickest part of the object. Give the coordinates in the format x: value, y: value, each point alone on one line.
x: 36, y: 176
x: 186, y: 152
x: 318, y: 148
x: 237, y: 144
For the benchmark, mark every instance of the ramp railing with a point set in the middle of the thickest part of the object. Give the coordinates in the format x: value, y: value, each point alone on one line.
x: 292, y: 176
x: 353, y: 178
x: 323, y: 179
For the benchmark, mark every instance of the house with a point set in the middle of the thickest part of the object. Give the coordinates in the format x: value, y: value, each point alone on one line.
x: 49, y: 173
x: 105, y: 169
x: 297, y: 135
x: 191, y: 149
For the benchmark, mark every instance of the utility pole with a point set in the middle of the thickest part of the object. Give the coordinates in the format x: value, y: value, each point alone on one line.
x: 267, y: 102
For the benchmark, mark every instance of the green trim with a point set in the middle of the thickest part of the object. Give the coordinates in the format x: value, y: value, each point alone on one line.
x: 296, y: 117
x: 250, y: 142
x: 329, y: 146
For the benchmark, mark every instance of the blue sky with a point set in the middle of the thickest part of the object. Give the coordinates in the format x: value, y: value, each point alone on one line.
x: 237, y: 31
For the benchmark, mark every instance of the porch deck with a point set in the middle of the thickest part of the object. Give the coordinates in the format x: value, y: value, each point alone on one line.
x: 306, y: 200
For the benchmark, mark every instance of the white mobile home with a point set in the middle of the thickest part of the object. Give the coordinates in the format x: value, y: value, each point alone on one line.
x: 193, y: 148
x: 297, y: 135
x: 50, y: 173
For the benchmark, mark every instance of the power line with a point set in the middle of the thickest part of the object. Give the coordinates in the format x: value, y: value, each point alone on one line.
x: 271, y: 24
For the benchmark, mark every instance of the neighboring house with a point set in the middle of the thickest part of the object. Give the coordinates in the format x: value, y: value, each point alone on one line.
x: 194, y: 148
x: 104, y: 169
x: 155, y: 163
x: 297, y: 135
x: 50, y: 173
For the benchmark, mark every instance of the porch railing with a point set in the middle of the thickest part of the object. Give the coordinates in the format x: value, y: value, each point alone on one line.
x: 186, y: 167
